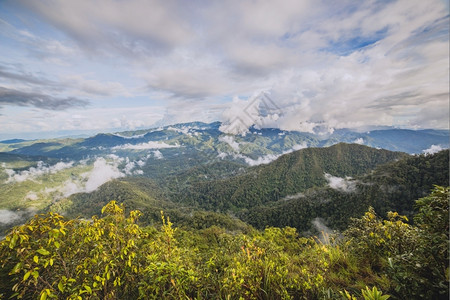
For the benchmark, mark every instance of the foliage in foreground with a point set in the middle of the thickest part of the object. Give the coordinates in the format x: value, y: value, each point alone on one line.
x: 113, y: 258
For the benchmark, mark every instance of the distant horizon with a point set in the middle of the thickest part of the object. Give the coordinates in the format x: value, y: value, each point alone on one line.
x: 30, y: 136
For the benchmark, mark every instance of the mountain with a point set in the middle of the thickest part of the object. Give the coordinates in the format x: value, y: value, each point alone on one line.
x: 290, y: 174
x: 13, y: 141
x: 393, y: 186
x: 192, y: 164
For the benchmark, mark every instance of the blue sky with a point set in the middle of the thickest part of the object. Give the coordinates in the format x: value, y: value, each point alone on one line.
x: 69, y: 67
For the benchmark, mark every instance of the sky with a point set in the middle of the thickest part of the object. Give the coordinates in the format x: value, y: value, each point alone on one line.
x: 86, y: 66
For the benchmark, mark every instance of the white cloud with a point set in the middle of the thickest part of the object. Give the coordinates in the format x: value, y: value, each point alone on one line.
x: 102, y: 172
x: 326, y: 65
x: 320, y: 226
x: 263, y: 160
x: 158, y: 154
x: 34, y: 173
x: 230, y: 141
x: 31, y: 196
x: 433, y: 149
x: 130, y: 167
x: 8, y: 216
x: 145, y: 146
x: 359, y: 141
x: 341, y: 184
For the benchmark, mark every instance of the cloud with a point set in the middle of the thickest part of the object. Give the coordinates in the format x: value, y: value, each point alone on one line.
x: 35, y: 172
x: 230, y: 141
x: 158, y: 154
x: 19, y: 98
x: 130, y: 167
x: 19, y: 75
x: 262, y: 160
x: 433, y: 149
x: 359, y: 141
x: 326, y: 65
x: 340, y: 184
x: 145, y: 146
x: 320, y: 226
x: 132, y: 28
x: 102, y: 172
x: 8, y: 216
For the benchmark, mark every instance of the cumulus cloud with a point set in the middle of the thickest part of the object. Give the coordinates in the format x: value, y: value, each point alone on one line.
x: 341, y: 184
x: 433, y: 149
x: 35, y: 172
x: 326, y: 65
x: 145, y: 146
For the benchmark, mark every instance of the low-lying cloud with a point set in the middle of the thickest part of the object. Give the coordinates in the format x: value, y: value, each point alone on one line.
x: 145, y: 146
x: 102, y: 172
x: 262, y: 160
x: 8, y: 216
x: 433, y: 149
x: 230, y: 141
x: 340, y: 184
x: 35, y: 172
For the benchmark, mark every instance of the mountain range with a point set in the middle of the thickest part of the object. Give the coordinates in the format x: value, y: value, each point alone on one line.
x: 194, y: 169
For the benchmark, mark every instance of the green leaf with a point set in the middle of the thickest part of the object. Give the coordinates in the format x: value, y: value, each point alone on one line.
x: 43, y: 251
x: 61, y: 286
x: 88, y: 288
x: 35, y: 274
x: 16, y: 268
x: 36, y: 259
x: 43, y: 295
x: 12, y: 244
x: 27, y: 274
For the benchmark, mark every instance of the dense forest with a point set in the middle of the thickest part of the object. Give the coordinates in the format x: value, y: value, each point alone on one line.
x: 291, y: 191
x: 343, y: 222
x: 114, y: 257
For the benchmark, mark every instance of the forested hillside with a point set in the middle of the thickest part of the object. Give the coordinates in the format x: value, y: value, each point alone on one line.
x: 113, y: 257
x: 390, y: 187
x: 290, y: 174
x: 310, y: 189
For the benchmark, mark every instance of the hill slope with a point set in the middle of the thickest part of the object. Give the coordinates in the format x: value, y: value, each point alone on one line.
x: 290, y: 174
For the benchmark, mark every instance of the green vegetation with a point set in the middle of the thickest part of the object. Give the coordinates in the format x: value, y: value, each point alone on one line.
x: 113, y: 257
x: 290, y: 174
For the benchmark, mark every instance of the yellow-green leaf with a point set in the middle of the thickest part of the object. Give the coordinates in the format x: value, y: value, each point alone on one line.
x: 43, y: 295
x: 36, y: 259
x: 43, y: 251
x: 88, y: 288
x: 16, y: 268
x: 27, y: 274
x: 61, y: 286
